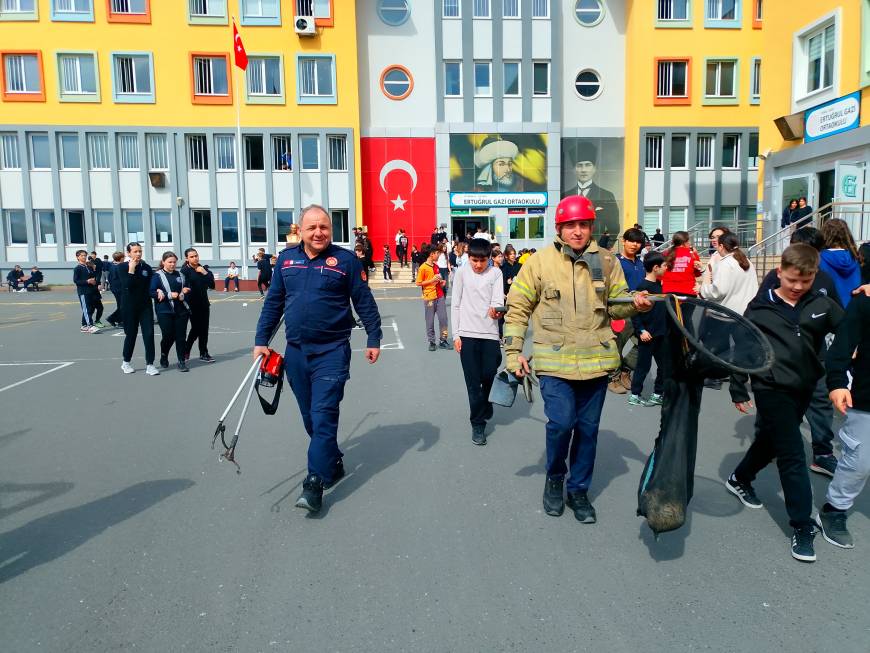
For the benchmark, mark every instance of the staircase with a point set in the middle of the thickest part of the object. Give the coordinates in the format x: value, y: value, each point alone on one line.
x: 401, y: 277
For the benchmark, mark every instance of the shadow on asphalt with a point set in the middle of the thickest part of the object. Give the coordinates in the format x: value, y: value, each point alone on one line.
x: 14, y: 435
x: 53, y: 536
x: 44, y: 492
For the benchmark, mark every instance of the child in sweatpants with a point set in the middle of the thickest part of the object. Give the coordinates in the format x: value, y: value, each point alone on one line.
x: 388, y: 264
x: 432, y: 284
x: 651, y: 329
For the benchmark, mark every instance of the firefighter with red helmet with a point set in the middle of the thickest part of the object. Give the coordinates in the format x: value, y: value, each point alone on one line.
x: 563, y: 292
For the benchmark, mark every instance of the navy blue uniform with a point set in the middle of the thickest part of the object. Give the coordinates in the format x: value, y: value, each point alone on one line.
x: 314, y: 295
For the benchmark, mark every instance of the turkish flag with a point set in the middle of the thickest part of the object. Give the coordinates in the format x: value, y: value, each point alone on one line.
x: 241, y: 56
x: 398, y: 190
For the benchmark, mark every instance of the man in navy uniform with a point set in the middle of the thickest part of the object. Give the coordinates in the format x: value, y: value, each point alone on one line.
x: 313, y: 285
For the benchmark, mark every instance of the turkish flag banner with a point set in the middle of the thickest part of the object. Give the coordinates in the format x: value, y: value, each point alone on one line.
x: 398, y: 190
x: 239, y: 53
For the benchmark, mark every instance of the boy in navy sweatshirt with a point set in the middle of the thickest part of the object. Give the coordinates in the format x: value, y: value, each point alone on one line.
x: 86, y: 285
x: 651, y: 328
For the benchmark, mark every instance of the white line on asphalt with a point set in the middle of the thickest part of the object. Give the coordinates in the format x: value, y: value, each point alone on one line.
x: 35, y: 376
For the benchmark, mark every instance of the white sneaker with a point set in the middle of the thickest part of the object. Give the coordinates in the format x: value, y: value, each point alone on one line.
x: 126, y: 368
x: 23, y: 290
x: 84, y: 329
x: 150, y: 370
x: 94, y: 329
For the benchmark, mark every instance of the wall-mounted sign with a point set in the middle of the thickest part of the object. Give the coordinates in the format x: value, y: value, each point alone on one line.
x: 481, y: 200
x: 834, y: 117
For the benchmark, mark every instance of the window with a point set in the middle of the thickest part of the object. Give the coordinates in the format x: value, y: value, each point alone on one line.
x: 155, y: 145
x: 105, y: 227
x: 18, y: 10
x: 481, y: 8
x: 68, y: 144
x: 510, y: 8
x: 225, y: 151
x: 755, y: 81
x: 210, y: 81
x: 393, y: 12
x: 310, y: 147
x: 320, y: 9
x: 257, y: 227
x: 22, y: 77
x: 731, y: 151
x: 264, y: 77
x: 706, y: 147
x: 340, y: 228
x: 98, y: 151
x: 820, y: 59
x: 652, y: 219
x: 728, y: 217
x: 16, y: 227
x: 129, y: 11
x: 229, y: 227
x: 452, y: 79
x: 128, y: 151
x: 511, y: 78
x: 451, y: 9
x: 316, y: 80
x: 261, y: 12
x: 722, y: 9
x: 679, y: 152
x: 47, y: 227
x: 72, y: 10
x: 284, y: 219
x: 752, y: 154
x: 75, y: 226
x: 721, y: 79
x: 654, y: 152
x: 40, y: 157
x: 9, y: 159
x: 202, y: 226
x: 337, y: 150
x: 588, y: 12
x: 540, y: 8
x: 587, y: 84
x: 482, y: 79
x: 77, y: 74
x: 134, y: 226
x: 281, y: 153
x: 540, y: 78
x: 668, y: 10
x: 197, y: 152
x: 207, y: 12
x: 254, y: 152
x: 162, y: 226
x: 396, y: 82
x: 677, y: 219
x: 517, y: 228
x: 132, y: 77
x: 758, y: 14
x: 673, y: 79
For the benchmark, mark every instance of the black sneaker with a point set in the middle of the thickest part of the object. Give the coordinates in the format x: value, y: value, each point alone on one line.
x: 206, y: 358
x: 312, y: 494
x: 744, y: 492
x: 802, y: 544
x: 433, y: 346
x: 478, y: 436
x: 583, y: 510
x: 182, y: 367
x: 554, y: 504
x: 337, y: 475
x: 164, y: 362
x: 833, y: 526
x: 825, y: 465
x: 445, y: 345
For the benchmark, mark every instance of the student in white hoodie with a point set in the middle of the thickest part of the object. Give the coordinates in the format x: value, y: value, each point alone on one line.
x: 478, y: 290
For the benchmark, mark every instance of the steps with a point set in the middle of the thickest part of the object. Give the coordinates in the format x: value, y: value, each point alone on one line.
x: 401, y: 276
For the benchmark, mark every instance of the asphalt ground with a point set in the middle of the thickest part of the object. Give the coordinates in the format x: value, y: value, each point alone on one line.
x: 120, y: 530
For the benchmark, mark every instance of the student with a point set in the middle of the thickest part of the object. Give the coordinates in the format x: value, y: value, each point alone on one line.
x: 107, y: 266
x: 478, y: 291
x: 651, y: 328
x: 169, y: 289
x: 443, y: 264
x: 232, y: 275
x: 840, y: 258
x: 115, y: 269
x: 682, y: 266
x: 85, y: 282
x: 264, y: 267
x: 432, y: 284
x: 200, y: 280
x: 853, y: 337
x: 34, y: 278
x: 96, y: 299
x: 795, y: 321
x: 633, y: 270
x: 15, y: 276
x: 388, y: 263
x: 415, y: 261
x: 136, y: 306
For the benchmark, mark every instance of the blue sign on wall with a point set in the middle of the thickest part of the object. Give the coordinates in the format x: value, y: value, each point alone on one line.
x: 834, y: 117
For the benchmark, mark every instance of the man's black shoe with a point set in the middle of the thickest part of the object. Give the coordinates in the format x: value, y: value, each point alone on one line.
x: 164, y: 362
x: 478, y: 435
x: 802, y: 544
x: 554, y: 504
x: 312, y: 494
x: 583, y: 510
x: 433, y: 346
x: 337, y: 475
x: 444, y: 344
x: 182, y: 367
x: 206, y: 358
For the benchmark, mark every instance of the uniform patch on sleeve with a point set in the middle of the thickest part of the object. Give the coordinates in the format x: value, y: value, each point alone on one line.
x: 286, y: 264
x: 332, y: 261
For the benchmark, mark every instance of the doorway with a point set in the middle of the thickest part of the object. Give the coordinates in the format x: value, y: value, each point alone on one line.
x: 827, y: 188
x: 461, y: 226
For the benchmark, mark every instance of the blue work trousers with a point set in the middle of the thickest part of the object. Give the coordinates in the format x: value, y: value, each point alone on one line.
x: 573, y: 411
x: 318, y: 382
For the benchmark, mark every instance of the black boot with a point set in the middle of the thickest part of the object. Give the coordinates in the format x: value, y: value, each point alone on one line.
x: 312, y: 494
x: 554, y: 504
x: 337, y: 475
x: 164, y: 361
x: 478, y: 434
x: 583, y: 510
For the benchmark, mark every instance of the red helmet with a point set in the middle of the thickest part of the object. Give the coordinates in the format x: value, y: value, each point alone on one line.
x: 574, y: 207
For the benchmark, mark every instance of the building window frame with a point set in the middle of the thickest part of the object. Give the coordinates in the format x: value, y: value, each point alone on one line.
x: 254, y: 157
x: 166, y: 214
x: 18, y: 215
x: 27, y: 95
x: 43, y: 232
x: 447, y: 65
x: 735, y: 84
x: 576, y: 10
x: 281, y: 162
x: 549, y: 70
x: 196, y: 152
x: 262, y: 226
x: 705, y: 159
x: 225, y: 152
x: 31, y: 150
x: 451, y: 9
x: 336, y: 151
x: 402, y: 16
x: 801, y: 97
x: 67, y: 224
x: 98, y: 151
x: 141, y: 18
x: 540, y: 9
x: 19, y: 15
x: 75, y: 15
x: 734, y: 162
x: 10, y: 155
x: 265, y: 98
x: 200, y: 225
x: 206, y: 19
x: 283, y: 222
x: 514, y: 13
x: 752, y: 146
x: 757, y: 14
x: 519, y: 79
x: 481, y: 9
x: 755, y: 73
x: 81, y: 96
x: 670, y: 99
x: 75, y: 162
x: 210, y: 98
x: 673, y: 23
x: 598, y: 83
x: 317, y: 97
x: 129, y: 156
x: 341, y: 217
x: 305, y: 166
x: 319, y: 20
x: 137, y: 96
x: 262, y: 19
x: 482, y: 91
x: 714, y: 22
x: 225, y: 228
x: 654, y: 158
x: 685, y: 151
x: 384, y: 82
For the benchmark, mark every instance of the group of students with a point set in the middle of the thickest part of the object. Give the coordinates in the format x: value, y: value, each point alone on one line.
x: 178, y: 296
x: 17, y: 282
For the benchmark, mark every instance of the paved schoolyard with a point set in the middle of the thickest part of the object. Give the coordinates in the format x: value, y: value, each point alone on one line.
x: 119, y: 528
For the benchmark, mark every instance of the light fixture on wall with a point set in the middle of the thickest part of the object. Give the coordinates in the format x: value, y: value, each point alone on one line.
x: 179, y: 201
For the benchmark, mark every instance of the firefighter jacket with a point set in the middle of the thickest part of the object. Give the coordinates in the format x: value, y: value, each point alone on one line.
x: 564, y: 294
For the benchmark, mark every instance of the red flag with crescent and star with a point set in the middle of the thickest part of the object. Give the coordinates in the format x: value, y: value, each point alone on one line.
x: 241, y: 57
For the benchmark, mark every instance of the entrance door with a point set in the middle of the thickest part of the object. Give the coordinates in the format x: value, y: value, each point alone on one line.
x: 849, y: 189
x: 826, y: 189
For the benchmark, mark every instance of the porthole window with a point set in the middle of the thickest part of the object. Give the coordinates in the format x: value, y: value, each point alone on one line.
x: 587, y: 84
x: 393, y: 12
x: 396, y: 82
x: 589, y: 12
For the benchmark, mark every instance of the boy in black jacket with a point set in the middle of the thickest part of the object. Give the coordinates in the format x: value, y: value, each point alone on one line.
x: 200, y: 280
x: 86, y: 285
x: 795, y: 320
x: 135, y: 277
x: 854, y: 467
x: 651, y: 328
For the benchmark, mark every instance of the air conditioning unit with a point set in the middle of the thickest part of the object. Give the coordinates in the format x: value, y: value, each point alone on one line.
x: 157, y: 179
x: 305, y: 26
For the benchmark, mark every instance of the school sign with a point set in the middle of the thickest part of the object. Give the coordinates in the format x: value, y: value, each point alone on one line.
x: 834, y: 117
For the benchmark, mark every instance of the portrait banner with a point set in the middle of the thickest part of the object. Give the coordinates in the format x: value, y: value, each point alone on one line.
x: 593, y: 167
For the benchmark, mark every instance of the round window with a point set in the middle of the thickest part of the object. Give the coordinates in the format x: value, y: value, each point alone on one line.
x: 396, y: 82
x: 589, y: 12
x: 394, y: 12
x: 587, y: 84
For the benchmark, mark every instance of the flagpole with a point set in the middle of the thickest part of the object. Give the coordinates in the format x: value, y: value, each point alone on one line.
x: 240, y: 174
